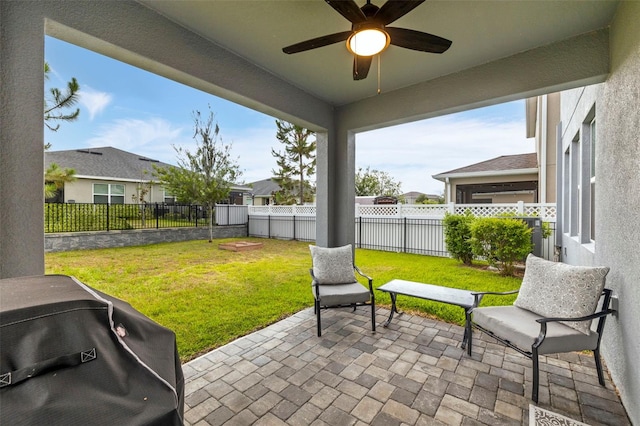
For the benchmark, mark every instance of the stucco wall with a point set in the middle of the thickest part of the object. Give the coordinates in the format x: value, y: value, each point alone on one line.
x: 618, y: 201
x: 617, y: 229
x: 81, y: 191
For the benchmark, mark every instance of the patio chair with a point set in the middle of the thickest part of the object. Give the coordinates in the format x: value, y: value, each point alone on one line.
x: 552, y: 313
x: 334, y: 282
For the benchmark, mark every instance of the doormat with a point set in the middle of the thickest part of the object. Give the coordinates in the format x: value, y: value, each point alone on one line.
x: 541, y: 417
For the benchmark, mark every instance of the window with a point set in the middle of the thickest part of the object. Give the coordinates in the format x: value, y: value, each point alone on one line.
x: 574, y: 206
x: 105, y: 193
x: 169, y: 198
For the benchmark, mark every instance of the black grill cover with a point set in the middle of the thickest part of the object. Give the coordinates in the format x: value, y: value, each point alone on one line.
x: 71, y: 355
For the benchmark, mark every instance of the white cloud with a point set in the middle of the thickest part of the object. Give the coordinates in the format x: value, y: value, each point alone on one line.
x: 412, y: 153
x: 94, y: 101
x: 152, y: 138
x: 252, y: 146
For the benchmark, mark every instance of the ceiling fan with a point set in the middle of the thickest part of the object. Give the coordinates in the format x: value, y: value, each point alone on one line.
x: 370, y: 35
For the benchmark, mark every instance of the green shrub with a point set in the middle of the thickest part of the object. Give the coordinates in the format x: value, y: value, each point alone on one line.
x: 457, y: 233
x: 82, y: 217
x: 501, y: 241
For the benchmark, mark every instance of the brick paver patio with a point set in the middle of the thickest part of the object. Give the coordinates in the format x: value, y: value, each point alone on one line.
x: 412, y: 373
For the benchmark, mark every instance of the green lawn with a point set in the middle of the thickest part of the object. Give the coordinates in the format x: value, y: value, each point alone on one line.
x: 210, y: 296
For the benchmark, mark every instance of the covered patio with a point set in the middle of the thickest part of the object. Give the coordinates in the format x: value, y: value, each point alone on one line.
x: 502, y: 51
x: 412, y: 373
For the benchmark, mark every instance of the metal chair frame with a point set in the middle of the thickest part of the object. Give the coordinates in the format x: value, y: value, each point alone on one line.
x: 533, y: 354
x: 317, y: 307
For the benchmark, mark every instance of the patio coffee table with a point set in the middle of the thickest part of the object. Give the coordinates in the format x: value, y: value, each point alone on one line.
x: 452, y: 296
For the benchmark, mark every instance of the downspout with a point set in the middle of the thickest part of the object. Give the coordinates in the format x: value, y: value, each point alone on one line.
x: 542, y: 167
x: 447, y: 187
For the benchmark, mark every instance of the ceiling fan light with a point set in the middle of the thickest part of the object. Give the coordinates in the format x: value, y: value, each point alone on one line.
x: 368, y: 42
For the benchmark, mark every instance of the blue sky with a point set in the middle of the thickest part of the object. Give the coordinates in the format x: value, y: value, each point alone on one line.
x: 137, y: 111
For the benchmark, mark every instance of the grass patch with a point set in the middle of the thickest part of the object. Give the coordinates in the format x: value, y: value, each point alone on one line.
x: 209, y: 297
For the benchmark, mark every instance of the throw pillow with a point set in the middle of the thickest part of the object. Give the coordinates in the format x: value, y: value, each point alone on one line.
x: 554, y: 289
x: 333, y: 265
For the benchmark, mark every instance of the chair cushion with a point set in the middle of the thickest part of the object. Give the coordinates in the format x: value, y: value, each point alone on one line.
x: 554, y: 289
x: 519, y: 327
x: 333, y: 265
x: 342, y: 294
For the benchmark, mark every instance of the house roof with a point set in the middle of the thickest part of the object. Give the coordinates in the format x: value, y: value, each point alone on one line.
x: 505, y: 164
x: 106, y: 162
x: 415, y: 194
x: 264, y: 188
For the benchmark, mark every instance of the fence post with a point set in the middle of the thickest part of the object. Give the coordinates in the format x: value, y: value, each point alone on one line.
x: 357, y: 210
x: 406, y: 231
x: 294, y: 227
x: 359, y: 218
x: 107, y: 217
x: 452, y: 208
x: 269, y: 225
x: 521, y: 208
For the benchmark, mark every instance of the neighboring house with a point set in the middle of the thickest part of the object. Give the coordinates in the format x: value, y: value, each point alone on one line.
x: 504, y: 179
x: 411, y: 197
x: 111, y: 176
x: 365, y: 199
x: 542, y: 119
x: 262, y: 192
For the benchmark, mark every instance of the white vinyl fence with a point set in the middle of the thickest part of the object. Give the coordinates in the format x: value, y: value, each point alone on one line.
x: 407, y: 228
x: 231, y: 214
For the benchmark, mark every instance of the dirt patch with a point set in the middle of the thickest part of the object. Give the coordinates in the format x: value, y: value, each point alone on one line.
x: 240, y: 246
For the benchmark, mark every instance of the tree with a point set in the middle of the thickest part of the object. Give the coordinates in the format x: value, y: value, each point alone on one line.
x: 54, y: 179
x: 376, y: 183
x: 143, y: 188
x: 204, y: 176
x: 295, y: 165
x: 58, y: 101
x: 424, y: 199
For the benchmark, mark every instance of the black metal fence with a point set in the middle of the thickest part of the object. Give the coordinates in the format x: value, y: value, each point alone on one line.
x: 406, y: 235
x: 78, y: 217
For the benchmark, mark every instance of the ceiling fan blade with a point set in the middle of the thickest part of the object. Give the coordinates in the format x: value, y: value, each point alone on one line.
x: 417, y: 40
x: 349, y: 9
x: 317, y: 42
x: 395, y: 9
x: 361, y: 65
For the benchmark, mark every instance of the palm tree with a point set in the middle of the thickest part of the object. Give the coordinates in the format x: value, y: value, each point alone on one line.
x: 54, y: 179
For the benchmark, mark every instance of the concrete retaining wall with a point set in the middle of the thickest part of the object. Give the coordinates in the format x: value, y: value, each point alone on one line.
x: 94, y: 240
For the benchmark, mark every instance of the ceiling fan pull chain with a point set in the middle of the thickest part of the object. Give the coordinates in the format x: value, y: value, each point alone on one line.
x: 378, y: 74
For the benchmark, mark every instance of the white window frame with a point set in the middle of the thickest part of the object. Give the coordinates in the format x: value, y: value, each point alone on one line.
x: 167, y: 194
x: 110, y: 194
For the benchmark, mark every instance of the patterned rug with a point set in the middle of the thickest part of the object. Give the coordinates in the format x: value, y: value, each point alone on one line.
x: 541, y: 417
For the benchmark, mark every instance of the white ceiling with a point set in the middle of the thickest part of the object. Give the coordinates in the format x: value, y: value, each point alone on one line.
x: 481, y: 31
